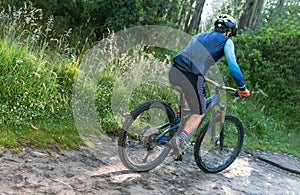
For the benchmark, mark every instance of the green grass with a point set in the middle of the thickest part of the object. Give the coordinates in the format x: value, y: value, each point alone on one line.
x: 43, y: 134
x: 264, y: 130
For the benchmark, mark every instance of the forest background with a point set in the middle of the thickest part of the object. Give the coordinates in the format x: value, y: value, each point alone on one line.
x: 42, y: 44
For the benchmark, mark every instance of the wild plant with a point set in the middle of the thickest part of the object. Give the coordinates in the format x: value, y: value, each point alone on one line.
x: 36, y: 70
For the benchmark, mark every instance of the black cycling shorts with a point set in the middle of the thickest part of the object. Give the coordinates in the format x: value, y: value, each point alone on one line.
x: 192, y: 86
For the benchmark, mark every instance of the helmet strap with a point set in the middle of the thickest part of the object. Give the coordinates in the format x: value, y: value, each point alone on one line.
x: 228, y: 32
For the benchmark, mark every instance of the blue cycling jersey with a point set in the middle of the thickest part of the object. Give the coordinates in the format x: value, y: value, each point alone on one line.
x: 204, y: 50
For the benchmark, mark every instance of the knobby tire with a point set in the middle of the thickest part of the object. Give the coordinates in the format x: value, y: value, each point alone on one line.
x: 207, y: 150
x: 128, y: 140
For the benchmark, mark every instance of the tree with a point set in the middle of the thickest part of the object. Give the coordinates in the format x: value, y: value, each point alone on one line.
x: 182, y: 12
x: 251, y: 15
x: 193, y: 22
x: 231, y: 7
x: 189, y: 16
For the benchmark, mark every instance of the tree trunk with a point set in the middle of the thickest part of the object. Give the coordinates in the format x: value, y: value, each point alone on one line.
x: 280, y: 4
x: 182, y: 12
x: 251, y: 15
x: 196, y: 18
x: 188, y: 17
x: 199, y: 13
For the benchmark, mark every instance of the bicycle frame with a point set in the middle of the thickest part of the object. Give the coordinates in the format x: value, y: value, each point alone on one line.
x: 211, y: 103
x: 154, y: 124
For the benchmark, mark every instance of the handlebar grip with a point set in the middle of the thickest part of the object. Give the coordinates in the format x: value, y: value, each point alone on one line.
x: 236, y: 93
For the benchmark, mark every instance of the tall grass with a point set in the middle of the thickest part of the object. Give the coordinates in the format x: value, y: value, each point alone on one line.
x: 263, y: 130
x: 130, y: 79
x: 34, y: 79
x: 37, y: 72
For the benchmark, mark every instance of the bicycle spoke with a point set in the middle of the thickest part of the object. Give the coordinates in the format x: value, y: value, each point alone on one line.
x: 145, y: 123
x: 219, y: 144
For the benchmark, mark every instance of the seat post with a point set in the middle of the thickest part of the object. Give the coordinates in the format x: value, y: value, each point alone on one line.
x: 181, y: 102
x: 185, y: 110
x: 182, y: 110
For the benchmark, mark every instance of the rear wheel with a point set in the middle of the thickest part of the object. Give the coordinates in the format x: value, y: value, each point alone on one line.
x: 137, y: 148
x: 219, y: 144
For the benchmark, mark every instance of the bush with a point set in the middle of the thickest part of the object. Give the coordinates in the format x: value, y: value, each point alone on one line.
x: 269, y: 60
x: 35, y: 81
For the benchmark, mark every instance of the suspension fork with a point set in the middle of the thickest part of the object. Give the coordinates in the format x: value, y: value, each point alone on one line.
x: 213, y: 126
x: 222, y: 109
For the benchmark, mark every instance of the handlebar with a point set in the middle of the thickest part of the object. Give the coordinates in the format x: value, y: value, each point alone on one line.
x: 234, y: 91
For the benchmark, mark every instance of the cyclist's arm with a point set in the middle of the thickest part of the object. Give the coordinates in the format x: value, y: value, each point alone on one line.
x: 233, y: 66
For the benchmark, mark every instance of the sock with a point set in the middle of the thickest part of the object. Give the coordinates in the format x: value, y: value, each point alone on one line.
x: 183, y: 136
x: 191, y: 135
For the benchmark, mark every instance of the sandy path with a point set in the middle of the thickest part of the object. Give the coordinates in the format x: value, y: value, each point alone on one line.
x: 84, y: 172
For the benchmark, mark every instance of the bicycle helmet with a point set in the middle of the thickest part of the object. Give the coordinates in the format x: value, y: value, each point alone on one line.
x: 226, y: 22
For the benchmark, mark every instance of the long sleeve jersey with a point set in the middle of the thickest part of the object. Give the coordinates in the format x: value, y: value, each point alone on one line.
x: 204, y: 50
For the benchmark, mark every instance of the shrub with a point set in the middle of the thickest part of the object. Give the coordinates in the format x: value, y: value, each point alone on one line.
x: 35, y: 81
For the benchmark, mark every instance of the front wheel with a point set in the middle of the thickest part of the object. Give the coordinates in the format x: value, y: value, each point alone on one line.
x: 219, y: 144
x: 137, y: 147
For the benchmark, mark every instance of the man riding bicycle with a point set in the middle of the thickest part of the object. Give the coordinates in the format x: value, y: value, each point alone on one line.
x: 190, y: 67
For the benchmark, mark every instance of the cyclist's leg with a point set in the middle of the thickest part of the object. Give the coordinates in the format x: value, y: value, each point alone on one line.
x: 193, y: 88
x: 196, y: 99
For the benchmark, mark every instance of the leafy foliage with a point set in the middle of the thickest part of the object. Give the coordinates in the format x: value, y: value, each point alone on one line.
x: 271, y: 56
x: 269, y: 60
x: 90, y: 20
x: 35, y: 83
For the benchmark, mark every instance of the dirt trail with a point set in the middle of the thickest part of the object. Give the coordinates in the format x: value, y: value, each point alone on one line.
x: 87, y: 172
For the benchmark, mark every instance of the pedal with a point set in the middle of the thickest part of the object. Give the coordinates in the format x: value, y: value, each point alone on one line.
x: 177, y: 158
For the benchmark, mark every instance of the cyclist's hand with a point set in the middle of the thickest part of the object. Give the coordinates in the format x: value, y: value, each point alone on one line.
x: 244, y: 93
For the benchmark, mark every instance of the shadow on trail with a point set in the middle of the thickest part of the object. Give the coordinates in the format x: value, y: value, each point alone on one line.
x: 88, y: 172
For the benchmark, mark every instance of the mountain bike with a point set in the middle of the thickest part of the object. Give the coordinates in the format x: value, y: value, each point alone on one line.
x: 143, y: 142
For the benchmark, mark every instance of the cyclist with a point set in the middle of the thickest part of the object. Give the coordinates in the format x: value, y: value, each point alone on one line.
x: 190, y: 67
